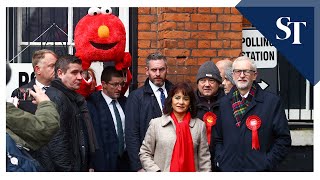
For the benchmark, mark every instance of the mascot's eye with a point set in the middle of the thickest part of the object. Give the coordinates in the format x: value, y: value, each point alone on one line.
x: 106, y: 10
x: 94, y: 11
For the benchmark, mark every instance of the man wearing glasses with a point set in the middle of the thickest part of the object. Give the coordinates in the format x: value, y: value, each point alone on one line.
x: 106, y: 108
x: 252, y: 132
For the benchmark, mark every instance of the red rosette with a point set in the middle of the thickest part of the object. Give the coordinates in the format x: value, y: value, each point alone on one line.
x: 210, y: 120
x: 253, y: 123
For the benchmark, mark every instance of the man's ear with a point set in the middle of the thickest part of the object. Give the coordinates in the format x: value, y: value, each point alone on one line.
x: 59, y: 73
x: 36, y: 69
x: 147, y: 72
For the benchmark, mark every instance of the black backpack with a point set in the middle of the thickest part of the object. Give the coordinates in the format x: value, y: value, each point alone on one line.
x: 18, y: 158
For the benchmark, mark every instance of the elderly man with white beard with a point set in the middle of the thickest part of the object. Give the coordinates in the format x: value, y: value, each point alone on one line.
x: 252, y: 132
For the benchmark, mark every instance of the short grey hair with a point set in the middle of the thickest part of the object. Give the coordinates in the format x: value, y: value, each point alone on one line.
x: 245, y: 58
x: 155, y: 56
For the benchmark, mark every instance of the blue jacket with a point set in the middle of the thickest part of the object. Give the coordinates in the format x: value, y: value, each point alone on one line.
x: 106, y: 156
x: 233, y: 150
x: 141, y: 107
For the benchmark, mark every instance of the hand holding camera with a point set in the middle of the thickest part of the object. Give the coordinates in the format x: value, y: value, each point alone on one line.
x: 38, y: 96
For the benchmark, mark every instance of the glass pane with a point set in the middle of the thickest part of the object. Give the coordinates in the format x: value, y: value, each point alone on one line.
x: 26, y: 56
x: 36, y: 21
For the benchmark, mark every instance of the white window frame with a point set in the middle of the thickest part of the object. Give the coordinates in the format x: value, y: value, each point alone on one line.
x: 123, y: 15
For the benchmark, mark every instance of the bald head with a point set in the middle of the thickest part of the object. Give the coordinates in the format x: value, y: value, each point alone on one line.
x: 223, y: 65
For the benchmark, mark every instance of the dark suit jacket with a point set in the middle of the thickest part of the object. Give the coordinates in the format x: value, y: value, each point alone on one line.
x: 26, y: 105
x: 106, y: 158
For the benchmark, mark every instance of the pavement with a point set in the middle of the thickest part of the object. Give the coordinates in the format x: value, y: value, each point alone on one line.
x: 300, y: 159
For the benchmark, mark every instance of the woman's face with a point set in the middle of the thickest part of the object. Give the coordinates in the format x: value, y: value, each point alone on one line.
x: 180, y: 103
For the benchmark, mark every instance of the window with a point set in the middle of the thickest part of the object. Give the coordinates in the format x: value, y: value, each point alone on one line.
x: 31, y: 29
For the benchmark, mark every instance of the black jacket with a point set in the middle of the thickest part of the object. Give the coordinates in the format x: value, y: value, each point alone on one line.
x: 141, y: 107
x: 205, y: 105
x: 69, y: 149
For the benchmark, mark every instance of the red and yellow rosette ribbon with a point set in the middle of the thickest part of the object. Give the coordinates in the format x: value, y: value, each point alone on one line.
x: 253, y: 123
x: 210, y: 120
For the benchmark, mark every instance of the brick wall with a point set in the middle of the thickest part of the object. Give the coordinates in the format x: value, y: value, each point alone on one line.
x: 187, y: 37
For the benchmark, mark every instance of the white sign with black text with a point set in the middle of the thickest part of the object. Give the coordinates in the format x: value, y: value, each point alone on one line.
x: 259, y: 49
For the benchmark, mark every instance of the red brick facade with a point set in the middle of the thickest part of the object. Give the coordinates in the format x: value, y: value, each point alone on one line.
x: 188, y: 37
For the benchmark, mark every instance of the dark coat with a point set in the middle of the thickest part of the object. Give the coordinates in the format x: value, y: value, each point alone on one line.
x: 234, y: 144
x: 106, y: 158
x: 68, y: 150
x: 141, y: 107
x: 205, y: 105
x: 26, y: 105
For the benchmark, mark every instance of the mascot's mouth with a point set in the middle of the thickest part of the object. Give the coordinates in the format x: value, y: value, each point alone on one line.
x: 103, y: 46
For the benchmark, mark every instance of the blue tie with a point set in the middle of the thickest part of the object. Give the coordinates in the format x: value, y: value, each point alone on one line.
x: 119, y: 127
x: 162, y: 97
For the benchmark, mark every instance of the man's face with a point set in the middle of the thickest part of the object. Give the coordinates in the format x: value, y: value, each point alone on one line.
x: 243, y: 75
x: 227, y: 85
x: 45, y: 67
x: 208, y: 87
x: 113, y: 87
x: 221, y: 69
x: 72, y: 77
x: 157, y: 72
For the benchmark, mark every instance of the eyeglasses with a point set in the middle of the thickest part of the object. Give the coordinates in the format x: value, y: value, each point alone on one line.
x: 121, y: 84
x: 204, y: 80
x: 246, y: 72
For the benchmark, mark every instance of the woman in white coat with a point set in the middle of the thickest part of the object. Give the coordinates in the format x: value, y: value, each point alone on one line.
x: 177, y: 140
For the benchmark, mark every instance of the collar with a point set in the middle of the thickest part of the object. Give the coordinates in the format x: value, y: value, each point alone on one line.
x: 106, y: 98
x: 246, y: 95
x: 167, y: 119
x: 155, y: 88
x: 39, y: 84
x: 258, y: 97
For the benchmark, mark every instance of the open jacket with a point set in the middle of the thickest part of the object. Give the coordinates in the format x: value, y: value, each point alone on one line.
x: 157, y: 147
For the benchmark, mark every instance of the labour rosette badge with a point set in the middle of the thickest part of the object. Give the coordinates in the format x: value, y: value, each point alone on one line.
x: 210, y: 120
x: 253, y: 123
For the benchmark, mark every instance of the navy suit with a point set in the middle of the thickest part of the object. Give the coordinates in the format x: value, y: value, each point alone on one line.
x: 26, y: 105
x: 106, y: 158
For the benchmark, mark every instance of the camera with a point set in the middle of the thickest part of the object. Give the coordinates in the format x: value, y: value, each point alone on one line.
x: 24, y: 94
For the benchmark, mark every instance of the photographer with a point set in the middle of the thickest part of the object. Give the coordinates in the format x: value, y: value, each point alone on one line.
x: 28, y: 130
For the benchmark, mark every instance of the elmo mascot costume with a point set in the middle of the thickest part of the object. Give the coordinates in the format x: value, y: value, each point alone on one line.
x: 101, y: 36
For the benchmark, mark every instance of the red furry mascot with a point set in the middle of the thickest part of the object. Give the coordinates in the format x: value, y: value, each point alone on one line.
x: 101, y: 36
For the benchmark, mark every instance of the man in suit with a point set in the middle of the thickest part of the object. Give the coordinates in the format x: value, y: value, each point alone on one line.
x: 106, y: 108
x: 43, y: 62
x: 252, y: 132
x: 144, y: 104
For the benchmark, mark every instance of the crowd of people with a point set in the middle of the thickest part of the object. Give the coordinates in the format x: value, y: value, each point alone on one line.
x: 228, y: 123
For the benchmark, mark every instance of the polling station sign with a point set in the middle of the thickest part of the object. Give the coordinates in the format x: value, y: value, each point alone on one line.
x: 259, y: 49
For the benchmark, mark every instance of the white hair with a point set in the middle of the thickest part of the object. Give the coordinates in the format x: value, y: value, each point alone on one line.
x: 245, y: 58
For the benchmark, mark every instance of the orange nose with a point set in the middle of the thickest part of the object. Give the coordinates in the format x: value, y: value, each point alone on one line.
x: 103, y: 31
